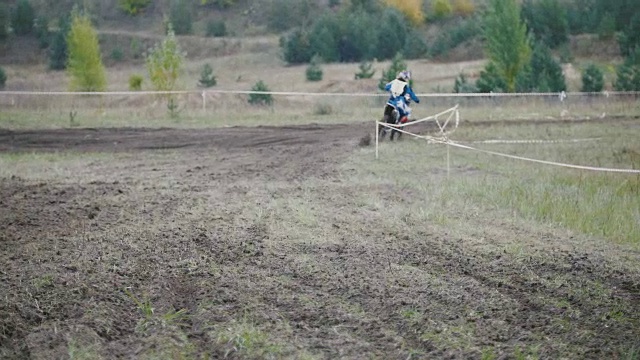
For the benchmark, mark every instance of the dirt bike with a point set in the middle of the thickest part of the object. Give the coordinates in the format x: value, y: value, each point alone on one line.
x: 392, y: 116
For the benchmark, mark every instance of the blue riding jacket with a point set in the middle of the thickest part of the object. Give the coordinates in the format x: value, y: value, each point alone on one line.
x: 398, y: 89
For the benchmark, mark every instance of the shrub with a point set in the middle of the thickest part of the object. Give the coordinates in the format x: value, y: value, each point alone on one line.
x: 260, y: 98
x: 314, y: 71
x: 462, y: 85
x: 366, y: 71
x: 136, y: 48
x: 133, y: 7
x: 117, y: 54
x: 397, y: 64
x: 207, y: 79
x: 216, y: 28
x: 23, y: 18
x: 441, y: 9
x: 181, y: 17
x: 322, y: 109
x: 135, y: 82
x: 3, y: 78
x: 592, y: 79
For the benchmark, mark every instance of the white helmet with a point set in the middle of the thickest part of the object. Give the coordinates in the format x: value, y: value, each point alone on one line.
x: 404, y: 75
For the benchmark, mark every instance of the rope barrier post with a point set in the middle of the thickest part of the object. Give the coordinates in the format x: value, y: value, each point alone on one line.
x: 376, y: 140
x: 448, y: 161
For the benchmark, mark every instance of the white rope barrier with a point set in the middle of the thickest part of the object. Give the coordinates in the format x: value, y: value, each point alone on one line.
x: 561, y: 95
x: 446, y: 141
x: 581, y: 167
x: 497, y: 141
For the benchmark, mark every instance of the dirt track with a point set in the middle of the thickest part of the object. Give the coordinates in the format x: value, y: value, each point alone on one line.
x: 214, y: 224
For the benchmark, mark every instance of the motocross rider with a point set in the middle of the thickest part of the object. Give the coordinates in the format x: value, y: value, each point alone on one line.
x: 400, y: 93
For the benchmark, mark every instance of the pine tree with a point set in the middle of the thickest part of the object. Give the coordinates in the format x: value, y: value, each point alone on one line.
x: 84, y: 64
x: 397, y: 64
x: 58, y: 51
x: 207, y: 79
x: 23, y: 18
x: 4, y: 21
x: 506, y: 41
x: 592, y: 79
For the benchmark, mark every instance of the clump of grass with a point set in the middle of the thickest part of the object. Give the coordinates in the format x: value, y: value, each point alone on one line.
x: 246, y: 340
x: 601, y: 205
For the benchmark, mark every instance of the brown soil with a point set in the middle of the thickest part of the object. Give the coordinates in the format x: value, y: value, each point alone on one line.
x: 172, y: 221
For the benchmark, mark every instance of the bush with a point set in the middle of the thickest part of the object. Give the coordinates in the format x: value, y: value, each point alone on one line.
x: 23, y: 18
x: 365, y: 70
x: 592, y: 79
x: 133, y: 7
x: 260, y: 99
x: 314, y: 71
x: 462, y: 85
x: 135, y: 82
x: 397, y: 64
x: 3, y: 78
x: 216, y: 28
x: 181, y: 17
x: 207, y: 79
x: 117, y: 54
x: 441, y: 9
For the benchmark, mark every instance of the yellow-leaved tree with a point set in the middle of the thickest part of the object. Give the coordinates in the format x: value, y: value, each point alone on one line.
x: 412, y: 9
x: 463, y: 7
x: 84, y: 63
